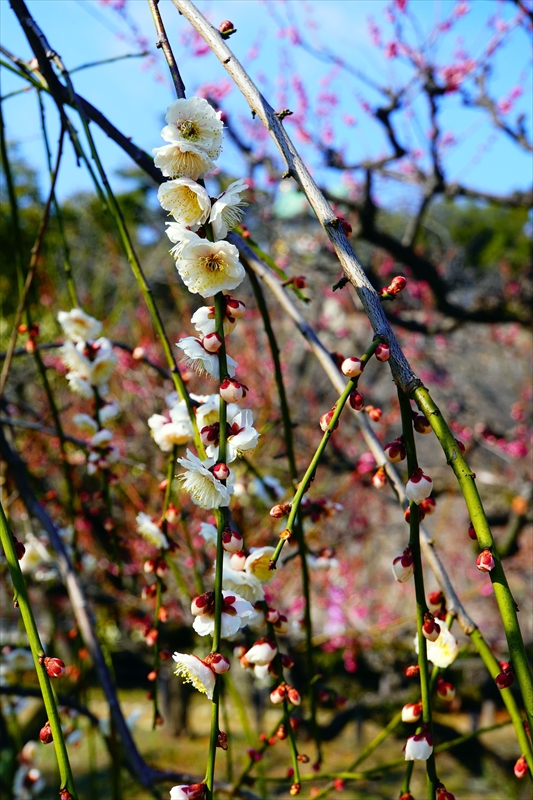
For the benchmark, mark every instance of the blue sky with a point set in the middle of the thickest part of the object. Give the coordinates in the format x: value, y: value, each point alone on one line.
x: 132, y: 98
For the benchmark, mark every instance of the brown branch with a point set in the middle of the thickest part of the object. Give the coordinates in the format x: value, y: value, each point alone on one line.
x: 163, y: 44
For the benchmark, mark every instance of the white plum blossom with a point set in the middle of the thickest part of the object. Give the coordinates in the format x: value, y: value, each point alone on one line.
x: 186, y: 200
x: 167, y: 433
x: 103, y: 437
x: 182, y: 160
x: 151, y: 532
x: 209, y: 267
x: 194, y: 121
x: 79, y: 326
x: 193, y: 791
x: 242, y: 436
x: 193, y: 670
x: 199, y: 360
x: 181, y: 236
x: 228, y: 210
x: 208, y: 532
x: 108, y: 411
x: 418, y: 487
x: 443, y: 651
x: 418, y: 747
x: 258, y: 563
x: 85, y: 423
x: 204, y: 321
x: 205, y: 490
x: 235, y: 613
x: 244, y: 583
x: 90, y: 365
x: 262, y: 652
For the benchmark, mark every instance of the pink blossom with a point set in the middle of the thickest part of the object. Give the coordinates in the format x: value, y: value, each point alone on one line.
x: 391, y: 50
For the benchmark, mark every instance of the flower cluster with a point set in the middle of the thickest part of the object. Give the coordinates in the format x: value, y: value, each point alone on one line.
x: 91, y: 362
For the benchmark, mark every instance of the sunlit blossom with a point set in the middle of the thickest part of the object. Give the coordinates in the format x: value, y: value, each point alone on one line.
x: 186, y: 200
x: 167, y: 434
x: 85, y: 423
x: 150, y: 531
x: 193, y: 670
x: 194, y: 122
x: 443, y: 651
x: 205, y: 490
x: 199, y: 360
x: 79, y: 326
x: 228, y: 210
x: 244, y: 583
x: 182, y: 160
x: 204, y: 321
x: 208, y: 267
x: 242, y: 436
x: 208, y: 532
x: 90, y: 365
x: 235, y: 613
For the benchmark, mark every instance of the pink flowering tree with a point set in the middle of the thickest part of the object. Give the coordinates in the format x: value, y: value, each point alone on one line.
x: 243, y: 512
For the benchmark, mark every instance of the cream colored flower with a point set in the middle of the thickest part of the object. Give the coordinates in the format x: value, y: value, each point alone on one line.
x: 150, y: 531
x: 166, y: 433
x: 227, y: 212
x: 443, y: 651
x: 209, y: 267
x: 198, y: 359
x: 90, y: 365
x: 85, y: 423
x: 194, y: 122
x: 182, y: 160
x: 79, y: 326
x: 243, y: 583
x: 204, y: 321
x: 205, y: 490
x: 193, y: 670
x: 187, y: 201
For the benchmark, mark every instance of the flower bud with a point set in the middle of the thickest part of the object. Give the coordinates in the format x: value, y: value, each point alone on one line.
x: 287, y: 662
x: 520, y: 768
x: 356, y: 400
x: 382, y: 352
x: 212, y: 342
x: 293, y: 696
x: 442, y: 794
x: 411, y: 712
x: 395, y: 451
x: 407, y: 514
x: 506, y: 676
x: 45, y: 734
x: 418, y: 487
x: 412, y: 671
x: 379, y: 479
x: 472, y: 532
x: 295, y: 788
x: 485, y: 561
x: 218, y: 663
x: 232, y: 541
x: 282, y: 624
x: 326, y: 418
x: 430, y: 628
x: 428, y: 505
x: 19, y: 548
x: 435, y: 599
x: 201, y: 604
x: 54, y: 667
x: 374, y: 413
x: 272, y: 615
x: 234, y: 308
x: 262, y: 652
x: 352, y: 367
x: 403, y: 566
x: 151, y: 636
x: 221, y: 471
x: 226, y: 29
x: 278, y: 694
x: 279, y: 511
x: 445, y: 690
x: 232, y: 391
x: 397, y: 284
x: 222, y: 740
x: 419, y: 746
x: 421, y: 424
x: 210, y: 434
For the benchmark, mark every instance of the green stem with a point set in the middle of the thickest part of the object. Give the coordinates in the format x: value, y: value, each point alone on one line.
x: 21, y: 599
x: 421, y: 607
x: 507, y: 696
x: 502, y: 592
x: 305, y: 482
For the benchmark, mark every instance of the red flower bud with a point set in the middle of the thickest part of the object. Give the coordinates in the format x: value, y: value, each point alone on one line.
x: 212, y: 342
x: 326, y: 418
x: 54, y: 667
x: 279, y: 511
x: 382, y: 352
x: 505, y: 678
x: 435, y: 598
x: 430, y: 628
x: 472, y: 532
x: 356, y: 400
x: 221, y: 471
x: 397, y: 284
x: 19, y: 548
x: 412, y: 671
x: 232, y: 391
x: 379, y: 478
x: 45, y: 734
x: 520, y: 768
x: 352, y: 367
x: 421, y: 424
x: 485, y: 561
x: 428, y: 505
x: 226, y: 29
x: 395, y: 451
